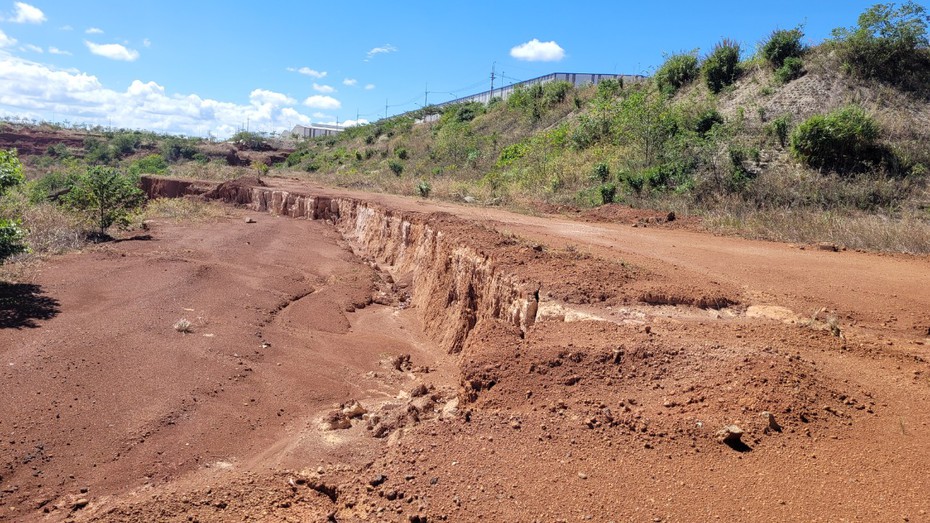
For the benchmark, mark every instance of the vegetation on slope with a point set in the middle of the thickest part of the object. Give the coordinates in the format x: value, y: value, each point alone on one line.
x: 795, y: 142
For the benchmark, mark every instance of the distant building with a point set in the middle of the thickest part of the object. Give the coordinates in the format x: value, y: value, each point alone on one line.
x: 315, y: 130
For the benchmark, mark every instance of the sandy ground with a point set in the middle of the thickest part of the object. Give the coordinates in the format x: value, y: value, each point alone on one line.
x: 606, y: 409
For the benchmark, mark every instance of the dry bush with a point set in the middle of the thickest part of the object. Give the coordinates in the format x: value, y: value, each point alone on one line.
x: 183, y: 326
x: 54, y: 230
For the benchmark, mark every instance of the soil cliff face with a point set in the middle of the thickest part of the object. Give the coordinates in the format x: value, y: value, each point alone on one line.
x: 453, y: 284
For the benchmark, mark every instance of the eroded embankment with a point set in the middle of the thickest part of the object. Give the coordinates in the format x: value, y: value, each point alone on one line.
x: 454, y: 284
x: 460, y: 272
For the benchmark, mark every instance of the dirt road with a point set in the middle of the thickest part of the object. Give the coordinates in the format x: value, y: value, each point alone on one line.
x: 506, y: 367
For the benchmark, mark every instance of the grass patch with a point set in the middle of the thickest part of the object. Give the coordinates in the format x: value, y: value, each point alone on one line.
x: 183, y: 210
x: 908, y: 234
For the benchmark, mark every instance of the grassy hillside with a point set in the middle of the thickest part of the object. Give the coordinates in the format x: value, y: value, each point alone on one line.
x: 792, y: 142
x: 785, y: 141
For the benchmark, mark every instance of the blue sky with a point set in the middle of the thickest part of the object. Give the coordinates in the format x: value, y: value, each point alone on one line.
x: 207, y: 68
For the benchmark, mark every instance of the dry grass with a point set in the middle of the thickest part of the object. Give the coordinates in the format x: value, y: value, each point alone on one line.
x: 184, y: 210
x: 215, y: 170
x: 53, y: 230
x: 908, y: 234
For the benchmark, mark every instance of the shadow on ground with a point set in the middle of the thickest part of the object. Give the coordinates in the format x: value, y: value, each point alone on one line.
x: 21, y: 304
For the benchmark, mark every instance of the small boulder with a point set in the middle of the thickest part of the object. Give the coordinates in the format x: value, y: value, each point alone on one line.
x: 730, y: 435
x: 354, y: 409
x: 250, y: 220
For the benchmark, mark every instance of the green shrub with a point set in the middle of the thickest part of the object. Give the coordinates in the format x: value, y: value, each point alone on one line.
x: 176, y: 149
x: 721, y: 68
x: 608, y: 193
x: 779, y: 128
x: 11, y: 238
x: 555, y: 92
x: 791, y: 69
x: 58, y: 150
x: 125, y: 143
x: 782, y: 45
x: 888, y: 43
x: 106, y: 195
x: 401, y: 153
x: 396, y: 167
x: 677, y: 71
x: 96, y: 152
x: 50, y: 186
x: 11, y: 170
x: 512, y: 153
x: 601, y: 172
x: 609, y: 88
x: 706, y: 120
x: 843, y: 140
x: 424, y: 188
x: 151, y: 164
x: 250, y: 141
x: 11, y: 233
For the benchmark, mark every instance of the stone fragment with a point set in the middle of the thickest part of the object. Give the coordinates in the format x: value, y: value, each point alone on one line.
x: 772, y: 425
x: 730, y: 434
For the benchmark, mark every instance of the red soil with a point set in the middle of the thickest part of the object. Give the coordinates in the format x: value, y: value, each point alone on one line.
x: 591, y: 367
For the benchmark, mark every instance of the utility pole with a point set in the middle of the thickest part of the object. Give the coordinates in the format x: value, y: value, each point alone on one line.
x: 356, y: 116
x: 426, y: 95
x: 492, y: 79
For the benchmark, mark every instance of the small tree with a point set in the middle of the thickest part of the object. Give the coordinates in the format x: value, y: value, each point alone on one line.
x: 889, y: 43
x: 11, y: 233
x: 106, y: 195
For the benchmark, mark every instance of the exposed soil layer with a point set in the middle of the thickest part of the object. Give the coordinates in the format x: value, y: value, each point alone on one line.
x: 387, y: 359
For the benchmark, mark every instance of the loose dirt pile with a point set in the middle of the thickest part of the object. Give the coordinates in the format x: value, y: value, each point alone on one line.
x: 400, y: 361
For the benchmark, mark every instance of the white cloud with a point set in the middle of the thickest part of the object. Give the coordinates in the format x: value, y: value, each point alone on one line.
x: 384, y: 49
x: 113, y: 51
x: 322, y: 116
x: 536, y: 51
x: 262, y: 96
x: 318, y: 101
x: 369, y: 87
x: 93, y: 31
x: 348, y: 123
x: 350, y: 82
x: 26, y: 14
x: 32, y: 47
x: 55, y: 50
x: 146, y: 42
x: 6, y: 41
x: 291, y: 115
x: 308, y: 72
x: 325, y: 89
x: 33, y: 90
x: 66, y: 28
